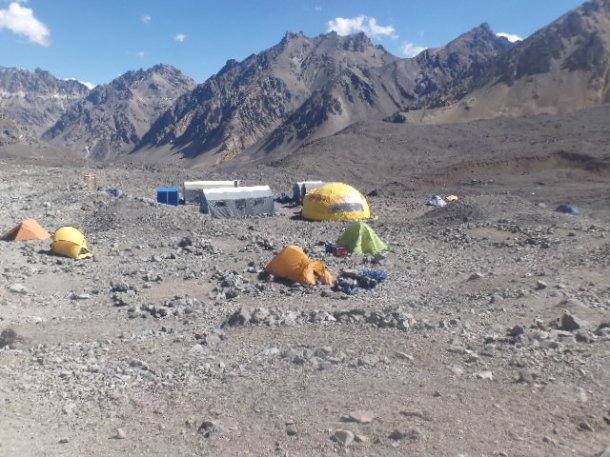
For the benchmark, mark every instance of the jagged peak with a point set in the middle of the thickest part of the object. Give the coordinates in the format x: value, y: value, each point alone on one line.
x: 291, y: 36
x: 131, y: 76
x: 594, y: 6
x: 481, y: 32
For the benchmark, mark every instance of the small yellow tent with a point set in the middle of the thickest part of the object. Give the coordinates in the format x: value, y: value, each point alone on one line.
x: 69, y: 242
x: 333, y: 202
x: 29, y: 229
x: 292, y: 263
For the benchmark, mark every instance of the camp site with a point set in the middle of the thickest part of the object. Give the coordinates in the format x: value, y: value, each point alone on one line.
x: 305, y: 229
x: 179, y: 289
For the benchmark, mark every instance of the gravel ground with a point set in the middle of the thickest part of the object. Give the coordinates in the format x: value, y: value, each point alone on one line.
x: 490, y: 337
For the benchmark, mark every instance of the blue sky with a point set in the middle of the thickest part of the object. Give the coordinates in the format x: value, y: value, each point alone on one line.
x: 95, y: 41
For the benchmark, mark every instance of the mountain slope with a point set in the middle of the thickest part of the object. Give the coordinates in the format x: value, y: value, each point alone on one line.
x: 305, y: 88
x: 360, y: 94
x: 114, y: 116
x: 36, y: 100
x: 562, y: 68
x: 245, y: 101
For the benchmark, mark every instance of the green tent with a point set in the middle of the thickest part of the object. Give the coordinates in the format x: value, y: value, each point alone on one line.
x: 360, y: 238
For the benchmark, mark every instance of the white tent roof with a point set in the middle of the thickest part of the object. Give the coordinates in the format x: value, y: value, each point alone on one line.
x: 203, y: 184
x: 236, y: 193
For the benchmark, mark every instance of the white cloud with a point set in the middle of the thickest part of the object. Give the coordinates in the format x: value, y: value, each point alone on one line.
x: 146, y: 18
x: 140, y: 54
x: 368, y: 25
x: 21, y: 20
x: 510, y: 37
x: 87, y: 84
x: 410, y: 49
x: 180, y: 37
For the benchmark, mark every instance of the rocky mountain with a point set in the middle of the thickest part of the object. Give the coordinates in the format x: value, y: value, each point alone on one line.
x: 36, y: 100
x: 358, y: 94
x: 305, y: 88
x: 12, y: 133
x: 113, y: 117
x: 562, y: 68
x: 246, y: 101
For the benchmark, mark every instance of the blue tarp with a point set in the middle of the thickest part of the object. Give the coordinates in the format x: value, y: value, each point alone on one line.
x: 378, y: 276
x: 568, y: 209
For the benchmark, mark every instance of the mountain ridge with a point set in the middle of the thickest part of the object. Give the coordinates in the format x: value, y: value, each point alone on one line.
x: 306, y: 88
x: 34, y: 100
x: 303, y: 88
x: 560, y: 68
x: 112, y: 118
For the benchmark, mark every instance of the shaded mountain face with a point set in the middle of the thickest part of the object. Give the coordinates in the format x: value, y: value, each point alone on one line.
x: 36, y: 100
x: 561, y: 68
x: 245, y: 101
x: 113, y: 117
x: 12, y: 132
x: 359, y: 94
x: 305, y: 88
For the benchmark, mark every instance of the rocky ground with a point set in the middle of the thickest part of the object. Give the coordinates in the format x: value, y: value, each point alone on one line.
x: 490, y: 337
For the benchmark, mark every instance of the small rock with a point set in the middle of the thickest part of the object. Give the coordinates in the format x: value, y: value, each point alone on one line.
x: 368, y: 360
x: 603, y: 329
x: 410, y: 435
x: 404, y: 356
x: 119, y: 434
x: 74, y: 296
x: 475, y: 275
x: 361, y: 417
x: 212, y: 340
x: 18, y: 288
x: 240, y: 317
x: 582, y: 395
x: 209, y: 428
x: 571, y: 323
x: 516, y: 331
x: 343, y: 437
x: 8, y: 336
x: 541, y: 285
x: 485, y: 375
x: 549, y: 440
x: 585, y: 426
x: 291, y: 429
x: 456, y: 370
x: 359, y: 438
x: 571, y: 303
x: 64, y: 441
x: 418, y: 414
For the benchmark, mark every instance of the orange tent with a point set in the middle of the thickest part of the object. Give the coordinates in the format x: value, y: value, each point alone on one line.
x: 292, y: 263
x: 29, y: 229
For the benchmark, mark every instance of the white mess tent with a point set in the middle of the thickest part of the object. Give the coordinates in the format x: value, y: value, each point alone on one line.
x: 191, y: 189
x: 237, y: 201
x: 299, y: 189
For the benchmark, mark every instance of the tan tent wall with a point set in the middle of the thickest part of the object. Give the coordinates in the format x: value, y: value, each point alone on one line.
x: 191, y: 189
x: 300, y: 188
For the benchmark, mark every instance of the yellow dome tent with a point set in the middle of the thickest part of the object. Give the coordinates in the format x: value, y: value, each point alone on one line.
x: 333, y: 202
x: 69, y: 242
x: 292, y: 263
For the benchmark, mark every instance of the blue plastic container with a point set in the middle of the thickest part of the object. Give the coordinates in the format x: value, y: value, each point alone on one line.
x: 168, y: 195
